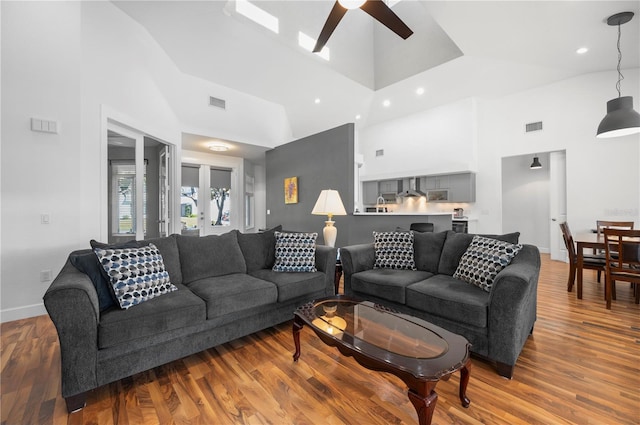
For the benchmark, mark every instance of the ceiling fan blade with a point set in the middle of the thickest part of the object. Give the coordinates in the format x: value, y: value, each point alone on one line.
x: 379, y: 10
x: 332, y: 22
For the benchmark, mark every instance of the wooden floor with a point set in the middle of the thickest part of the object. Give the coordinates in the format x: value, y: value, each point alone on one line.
x: 581, y: 366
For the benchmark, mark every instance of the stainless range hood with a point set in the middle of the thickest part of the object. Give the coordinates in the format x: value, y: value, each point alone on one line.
x: 413, y: 191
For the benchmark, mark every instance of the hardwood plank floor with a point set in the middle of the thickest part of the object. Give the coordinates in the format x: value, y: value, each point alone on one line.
x: 581, y: 366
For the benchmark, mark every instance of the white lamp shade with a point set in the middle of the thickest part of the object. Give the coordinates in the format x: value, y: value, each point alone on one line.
x: 329, y: 203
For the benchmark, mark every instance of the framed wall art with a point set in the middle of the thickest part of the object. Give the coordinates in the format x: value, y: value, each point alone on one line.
x: 291, y: 190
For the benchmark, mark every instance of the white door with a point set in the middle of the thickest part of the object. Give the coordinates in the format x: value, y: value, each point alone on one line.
x: 207, y: 200
x: 163, y: 191
x: 557, y: 203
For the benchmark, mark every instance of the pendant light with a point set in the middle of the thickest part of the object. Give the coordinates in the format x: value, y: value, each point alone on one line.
x: 535, y: 164
x: 621, y: 119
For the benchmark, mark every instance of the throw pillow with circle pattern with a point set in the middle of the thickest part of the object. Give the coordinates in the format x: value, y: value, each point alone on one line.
x: 136, y: 274
x: 394, y: 250
x: 295, y: 252
x: 484, y: 259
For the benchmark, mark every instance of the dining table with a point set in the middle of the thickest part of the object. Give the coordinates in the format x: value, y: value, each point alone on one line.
x: 588, y: 240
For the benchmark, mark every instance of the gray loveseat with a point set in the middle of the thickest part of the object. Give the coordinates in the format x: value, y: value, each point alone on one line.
x: 496, y: 323
x: 226, y: 289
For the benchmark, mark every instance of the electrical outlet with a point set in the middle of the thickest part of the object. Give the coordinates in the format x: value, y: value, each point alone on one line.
x: 45, y: 275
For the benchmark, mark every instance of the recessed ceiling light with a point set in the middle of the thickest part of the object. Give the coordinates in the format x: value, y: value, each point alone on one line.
x: 386, y: 103
x: 582, y: 50
x: 218, y: 147
x: 317, y: 100
x: 420, y: 91
x: 358, y: 117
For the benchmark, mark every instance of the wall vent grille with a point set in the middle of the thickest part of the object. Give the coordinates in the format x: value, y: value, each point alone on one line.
x: 218, y: 103
x: 533, y: 126
x: 380, y: 152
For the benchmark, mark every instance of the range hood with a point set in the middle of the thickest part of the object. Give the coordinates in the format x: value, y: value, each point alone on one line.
x: 413, y: 191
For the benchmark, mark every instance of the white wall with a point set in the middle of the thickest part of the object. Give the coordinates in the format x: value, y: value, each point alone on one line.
x: 438, y: 140
x: 603, y: 177
x: 78, y: 63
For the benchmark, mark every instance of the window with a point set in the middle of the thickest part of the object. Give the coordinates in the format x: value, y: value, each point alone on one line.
x: 123, y: 184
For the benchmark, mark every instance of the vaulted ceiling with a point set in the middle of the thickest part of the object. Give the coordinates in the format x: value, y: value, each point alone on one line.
x: 459, y: 49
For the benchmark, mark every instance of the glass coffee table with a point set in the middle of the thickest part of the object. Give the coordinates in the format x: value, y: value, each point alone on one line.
x: 378, y: 338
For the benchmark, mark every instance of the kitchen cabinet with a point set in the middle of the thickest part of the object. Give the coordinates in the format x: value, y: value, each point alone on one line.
x: 369, y: 192
x: 388, y: 186
x: 462, y: 187
x: 435, y: 182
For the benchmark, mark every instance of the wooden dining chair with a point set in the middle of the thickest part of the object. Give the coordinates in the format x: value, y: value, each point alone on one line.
x: 591, y: 262
x: 622, y: 260
x: 607, y: 224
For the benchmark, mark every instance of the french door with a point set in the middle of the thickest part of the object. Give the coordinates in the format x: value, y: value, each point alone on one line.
x: 138, y: 190
x: 207, y: 199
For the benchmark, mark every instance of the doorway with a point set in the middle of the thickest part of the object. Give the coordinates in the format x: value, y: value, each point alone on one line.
x: 138, y: 191
x: 206, y: 197
x: 534, y: 200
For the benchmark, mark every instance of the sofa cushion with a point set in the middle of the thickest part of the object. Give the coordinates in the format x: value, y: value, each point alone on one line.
x: 293, y: 285
x: 450, y: 298
x: 87, y: 262
x: 484, y: 259
x: 175, y: 310
x: 136, y: 274
x: 233, y: 292
x: 168, y: 247
x: 210, y: 256
x: 394, y: 250
x: 259, y: 249
x: 389, y: 284
x: 426, y: 250
x: 456, y: 244
x: 295, y: 252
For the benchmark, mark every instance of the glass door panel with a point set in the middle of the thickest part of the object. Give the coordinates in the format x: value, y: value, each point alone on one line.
x: 189, y: 211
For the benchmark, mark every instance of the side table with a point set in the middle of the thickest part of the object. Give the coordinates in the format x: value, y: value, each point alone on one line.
x: 338, y: 275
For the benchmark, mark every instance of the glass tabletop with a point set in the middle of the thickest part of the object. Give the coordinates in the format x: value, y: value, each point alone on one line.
x: 368, y: 323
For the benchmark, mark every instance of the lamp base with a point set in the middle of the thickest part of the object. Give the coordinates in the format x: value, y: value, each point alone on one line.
x: 329, y: 233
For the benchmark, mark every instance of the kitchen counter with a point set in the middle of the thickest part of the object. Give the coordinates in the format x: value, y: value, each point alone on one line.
x: 421, y: 214
x: 366, y: 223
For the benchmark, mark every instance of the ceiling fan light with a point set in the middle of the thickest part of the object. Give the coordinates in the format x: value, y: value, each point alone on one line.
x: 621, y: 119
x: 351, y: 4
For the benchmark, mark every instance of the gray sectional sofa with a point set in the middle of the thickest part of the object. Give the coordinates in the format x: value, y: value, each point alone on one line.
x: 497, y: 322
x: 226, y: 289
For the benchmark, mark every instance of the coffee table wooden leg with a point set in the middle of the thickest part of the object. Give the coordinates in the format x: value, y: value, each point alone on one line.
x: 297, y: 327
x: 464, y: 380
x: 425, y: 404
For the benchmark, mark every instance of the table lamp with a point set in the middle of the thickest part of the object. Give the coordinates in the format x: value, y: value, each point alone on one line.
x: 329, y: 204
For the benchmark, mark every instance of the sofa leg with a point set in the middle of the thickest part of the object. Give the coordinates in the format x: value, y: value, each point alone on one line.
x: 76, y: 402
x: 505, y: 370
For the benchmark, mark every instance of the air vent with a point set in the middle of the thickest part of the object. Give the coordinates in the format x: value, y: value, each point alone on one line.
x: 380, y: 152
x: 533, y: 126
x: 218, y: 103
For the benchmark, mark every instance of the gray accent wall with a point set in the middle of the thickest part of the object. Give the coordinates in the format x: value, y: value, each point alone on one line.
x: 321, y: 161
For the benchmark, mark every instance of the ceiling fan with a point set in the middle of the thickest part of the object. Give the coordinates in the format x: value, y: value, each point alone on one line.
x: 376, y: 8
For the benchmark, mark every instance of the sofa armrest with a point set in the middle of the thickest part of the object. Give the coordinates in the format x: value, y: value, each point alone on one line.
x: 72, y: 303
x: 356, y: 258
x: 513, y: 305
x: 326, y: 262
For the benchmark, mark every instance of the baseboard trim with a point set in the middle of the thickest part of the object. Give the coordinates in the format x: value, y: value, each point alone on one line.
x: 24, y: 312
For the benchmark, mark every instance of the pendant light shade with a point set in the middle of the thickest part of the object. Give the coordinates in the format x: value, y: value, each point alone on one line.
x: 621, y: 118
x: 535, y: 164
